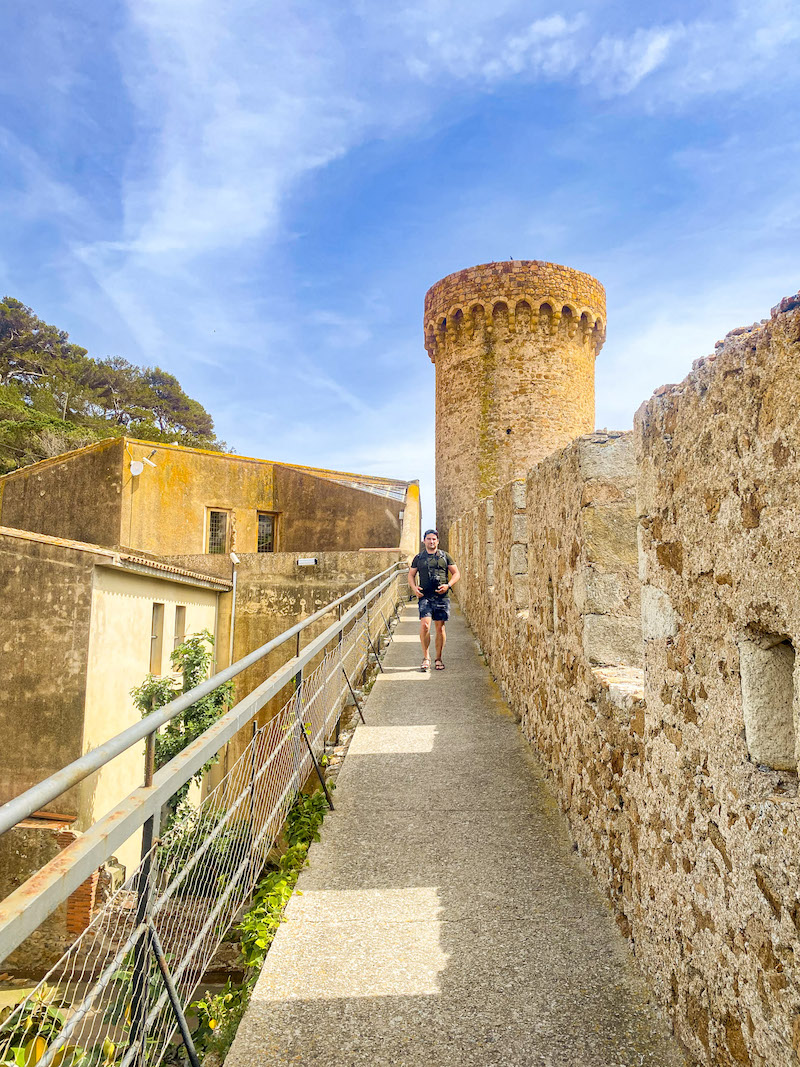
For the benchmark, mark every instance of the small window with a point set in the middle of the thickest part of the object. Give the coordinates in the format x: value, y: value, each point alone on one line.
x: 157, y: 639
x: 218, y: 526
x: 180, y: 626
x: 267, y: 526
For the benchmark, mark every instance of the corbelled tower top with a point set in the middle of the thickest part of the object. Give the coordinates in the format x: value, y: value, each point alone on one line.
x: 514, y: 346
x: 544, y: 287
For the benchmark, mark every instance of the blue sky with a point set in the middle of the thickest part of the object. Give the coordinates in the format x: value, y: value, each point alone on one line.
x: 256, y: 196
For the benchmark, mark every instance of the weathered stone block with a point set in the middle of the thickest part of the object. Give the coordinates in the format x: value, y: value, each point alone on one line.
x: 658, y: 615
x: 600, y: 491
x: 612, y: 639
x: 600, y: 592
x: 518, y: 494
x: 519, y: 529
x: 521, y: 591
x: 767, y: 667
x: 611, y: 460
x: 610, y: 536
x: 518, y: 559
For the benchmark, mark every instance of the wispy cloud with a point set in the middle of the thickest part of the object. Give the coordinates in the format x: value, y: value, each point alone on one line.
x: 238, y: 115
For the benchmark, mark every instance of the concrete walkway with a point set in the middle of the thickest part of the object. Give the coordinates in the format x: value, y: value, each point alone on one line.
x: 445, y: 919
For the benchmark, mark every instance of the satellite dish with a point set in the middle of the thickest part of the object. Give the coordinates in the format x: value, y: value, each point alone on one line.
x: 136, y: 467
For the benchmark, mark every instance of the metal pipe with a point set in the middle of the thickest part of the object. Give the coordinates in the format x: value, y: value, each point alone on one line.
x: 353, y: 695
x: 297, y: 709
x: 140, y: 982
x: 172, y: 993
x: 44, y: 792
x: 235, y: 566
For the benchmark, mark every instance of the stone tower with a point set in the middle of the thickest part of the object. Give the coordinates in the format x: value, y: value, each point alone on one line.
x: 514, y: 346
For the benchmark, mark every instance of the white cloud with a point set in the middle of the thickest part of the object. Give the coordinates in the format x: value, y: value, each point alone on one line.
x: 618, y: 65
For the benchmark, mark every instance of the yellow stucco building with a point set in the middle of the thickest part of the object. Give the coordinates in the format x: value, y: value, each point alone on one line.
x: 171, y: 500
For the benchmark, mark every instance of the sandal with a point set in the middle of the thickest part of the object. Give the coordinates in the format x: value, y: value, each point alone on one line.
x: 439, y: 665
x: 426, y: 664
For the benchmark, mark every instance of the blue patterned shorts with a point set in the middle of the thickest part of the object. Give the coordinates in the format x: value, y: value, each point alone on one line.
x: 435, y: 606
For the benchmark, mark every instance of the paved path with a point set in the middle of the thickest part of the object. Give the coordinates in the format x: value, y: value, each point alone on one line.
x: 445, y: 919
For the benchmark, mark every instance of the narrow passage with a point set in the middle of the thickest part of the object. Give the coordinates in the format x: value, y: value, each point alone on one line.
x: 445, y: 919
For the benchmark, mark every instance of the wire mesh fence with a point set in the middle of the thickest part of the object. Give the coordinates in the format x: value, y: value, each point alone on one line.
x: 116, y: 995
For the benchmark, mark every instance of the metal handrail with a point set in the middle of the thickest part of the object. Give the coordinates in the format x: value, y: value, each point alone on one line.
x: 46, y: 791
x: 26, y: 908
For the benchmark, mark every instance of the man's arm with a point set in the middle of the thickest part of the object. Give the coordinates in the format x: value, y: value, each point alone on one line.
x: 412, y: 581
x: 453, y: 576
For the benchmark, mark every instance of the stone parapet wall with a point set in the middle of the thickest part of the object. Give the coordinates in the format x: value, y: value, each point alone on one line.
x: 679, y: 779
x: 551, y: 591
x: 719, y: 501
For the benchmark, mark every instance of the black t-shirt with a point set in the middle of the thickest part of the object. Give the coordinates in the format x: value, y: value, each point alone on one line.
x: 432, y: 570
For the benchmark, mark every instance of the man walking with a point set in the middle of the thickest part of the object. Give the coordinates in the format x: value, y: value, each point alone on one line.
x: 437, y: 576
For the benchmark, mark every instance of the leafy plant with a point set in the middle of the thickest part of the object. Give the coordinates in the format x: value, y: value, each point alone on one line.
x: 305, y: 818
x: 193, y: 659
x: 33, y: 1030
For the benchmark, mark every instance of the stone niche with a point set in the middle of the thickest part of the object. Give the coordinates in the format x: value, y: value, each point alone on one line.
x: 767, y: 668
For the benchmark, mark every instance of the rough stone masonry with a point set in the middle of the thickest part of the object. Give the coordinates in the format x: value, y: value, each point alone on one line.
x: 637, y: 598
x: 514, y: 346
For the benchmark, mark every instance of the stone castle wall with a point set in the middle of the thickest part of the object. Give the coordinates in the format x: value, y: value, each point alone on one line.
x: 670, y: 729
x: 514, y: 346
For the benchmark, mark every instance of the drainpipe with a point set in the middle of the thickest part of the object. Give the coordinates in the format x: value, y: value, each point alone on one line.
x: 234, y: 569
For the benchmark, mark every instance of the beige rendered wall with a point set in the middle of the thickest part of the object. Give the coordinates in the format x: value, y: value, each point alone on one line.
x: 514, y: 346
x: 411, y: 534
x: 320, y: 515
x: 76, y: 496
x: 118, y: 660
x: 44, y: 634
x: 164, y: 508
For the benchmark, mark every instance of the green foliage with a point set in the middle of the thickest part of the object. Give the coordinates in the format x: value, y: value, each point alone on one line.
x: 219, y: 1015
x: 193, y: 659
x: 305, y: 818
x: 55, y: 397
x: 25, y: 1042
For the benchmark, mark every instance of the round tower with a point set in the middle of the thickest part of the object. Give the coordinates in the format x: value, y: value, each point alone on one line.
x: 514, y: 346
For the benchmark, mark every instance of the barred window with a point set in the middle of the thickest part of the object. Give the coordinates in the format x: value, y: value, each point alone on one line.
x: 218, y: 532
x: 266, y: 531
